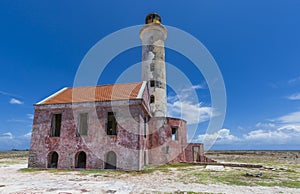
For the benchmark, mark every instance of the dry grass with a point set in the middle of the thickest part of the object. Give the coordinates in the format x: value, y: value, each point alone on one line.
x: 283, y: 169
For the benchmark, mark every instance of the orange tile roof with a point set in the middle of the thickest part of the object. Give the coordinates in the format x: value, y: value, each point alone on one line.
x: 95, y: 93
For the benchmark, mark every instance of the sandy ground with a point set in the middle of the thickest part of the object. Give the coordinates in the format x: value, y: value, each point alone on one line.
x: 14, y: 181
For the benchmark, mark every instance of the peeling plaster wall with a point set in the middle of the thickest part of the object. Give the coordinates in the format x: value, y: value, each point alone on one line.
x: 96, y: 144
x: 162, y: 149
x: 153, y: 54
x: 189, y: 153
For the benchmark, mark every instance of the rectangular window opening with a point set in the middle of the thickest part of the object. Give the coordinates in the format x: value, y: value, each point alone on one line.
x: 82, y: 124
x: 174, y: 133
x: 55, y: 125
x: 152, y: 83
x: 111, y: 128
x: 145, y: 127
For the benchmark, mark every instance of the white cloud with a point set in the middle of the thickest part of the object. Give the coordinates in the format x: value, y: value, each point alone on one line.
x: 27, y: 135
x: 223, y: 136
x: 268, y: 136
x: 193, y: 88
x: 193, y: 113
x: 15, y: 101
x: 9, y: 141
x: 292, y: 118
x: 7, y: 135
x: 294, y: 96
x: 294, y: 80
x: 263, y: 135
x: 9, y: 94
x: 186, y: 105
x: 265, y: 125
x: 30, y: 116
x: 290, y: 128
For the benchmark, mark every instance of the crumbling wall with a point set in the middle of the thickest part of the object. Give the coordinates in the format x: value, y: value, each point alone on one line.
x: 96, y: 143
x: 191, y: 156
x: 162, y: 149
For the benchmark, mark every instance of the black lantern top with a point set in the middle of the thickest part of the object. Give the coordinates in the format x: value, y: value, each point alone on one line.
x: 153, y: 18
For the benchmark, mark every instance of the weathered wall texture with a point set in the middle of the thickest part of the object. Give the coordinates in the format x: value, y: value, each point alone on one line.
x: 195, y: 155
x: 162, y: 149
x: 127, y: 144
x: 153, y: 66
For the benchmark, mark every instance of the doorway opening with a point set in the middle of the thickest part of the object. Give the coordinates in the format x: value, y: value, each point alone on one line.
x: 111, y: 160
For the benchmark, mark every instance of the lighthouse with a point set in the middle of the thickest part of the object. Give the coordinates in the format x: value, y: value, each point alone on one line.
x: 153, y: 35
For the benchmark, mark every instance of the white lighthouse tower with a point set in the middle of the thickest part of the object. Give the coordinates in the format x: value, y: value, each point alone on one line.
x: 153, y: 35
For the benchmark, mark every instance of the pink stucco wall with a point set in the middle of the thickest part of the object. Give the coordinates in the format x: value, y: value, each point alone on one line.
x: 127, y: 144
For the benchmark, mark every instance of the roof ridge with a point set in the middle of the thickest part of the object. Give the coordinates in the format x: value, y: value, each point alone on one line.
x: 110, y: 92
x: 53, y: 95
x: 109, y: 84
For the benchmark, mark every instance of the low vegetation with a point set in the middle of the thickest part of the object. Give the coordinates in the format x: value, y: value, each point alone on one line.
x: 279, y: 169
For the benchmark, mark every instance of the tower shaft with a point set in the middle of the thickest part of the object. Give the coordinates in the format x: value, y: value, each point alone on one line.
x: 153, y: 35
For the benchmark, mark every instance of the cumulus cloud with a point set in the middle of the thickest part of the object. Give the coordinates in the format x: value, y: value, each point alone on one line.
x: 268, y: 136
x: 265, y: 125
x: 193, y: 113
x: 15, y: 101
x: 9, y: 141
x: 282, y: 131
x: 264, y: 138
x: 186, y: 105
x: 223, y: 136
x: 294, y: 96
x: 293, y: 118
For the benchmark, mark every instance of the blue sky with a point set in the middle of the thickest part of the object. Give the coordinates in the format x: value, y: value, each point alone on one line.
x: 256, y: 44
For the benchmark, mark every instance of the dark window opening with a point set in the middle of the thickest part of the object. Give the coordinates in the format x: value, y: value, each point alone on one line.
x: 145, y: 127
x: 152, y: 83
x: 111, y: 128
x: 152, y: 99
x: 152, y: 67
x: 52, y: 160
x: 174, y: 133
x: 55, y: 125
x: 157, y: 84
x: 82, y: 124
x: 80, y: 160
x: 111, y: 160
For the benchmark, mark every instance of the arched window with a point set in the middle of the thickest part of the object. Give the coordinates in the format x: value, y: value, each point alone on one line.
x: 80, y: 160
x: 52, y: 160
x: 152, y: 99
x: 111, y: 160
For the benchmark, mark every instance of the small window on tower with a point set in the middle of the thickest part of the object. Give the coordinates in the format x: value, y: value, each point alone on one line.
x: 174, y: 133
x: 152, y: 83
x: 152, y: 67
x: 152, y: 99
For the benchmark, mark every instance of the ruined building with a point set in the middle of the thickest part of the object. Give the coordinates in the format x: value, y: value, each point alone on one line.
x: 118, y: 126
